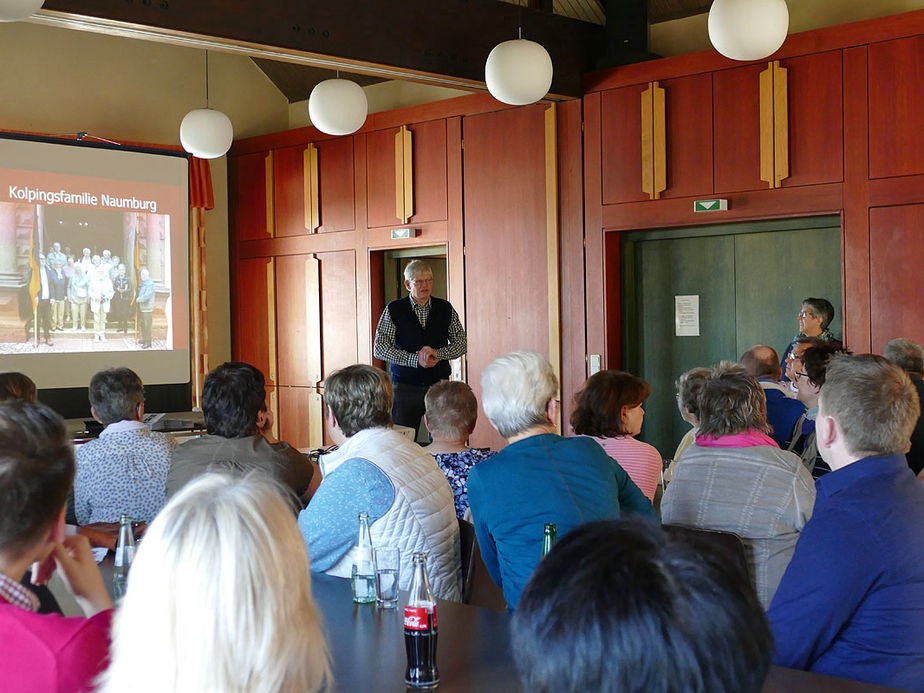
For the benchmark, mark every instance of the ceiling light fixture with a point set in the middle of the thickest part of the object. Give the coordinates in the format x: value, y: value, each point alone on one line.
x: 205, y: 132
x: 748, y: 29
x: 518, y: 72
x: 338, y: 106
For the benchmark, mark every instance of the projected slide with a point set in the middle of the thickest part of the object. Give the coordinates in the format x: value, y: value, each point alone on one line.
x: 93, y: 261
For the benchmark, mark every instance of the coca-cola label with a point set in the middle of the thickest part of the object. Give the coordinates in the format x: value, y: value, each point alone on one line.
x: 416, y: 618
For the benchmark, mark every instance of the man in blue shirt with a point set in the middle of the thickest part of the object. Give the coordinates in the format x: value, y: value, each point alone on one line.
x: 783, y: 409
x: 851, y: 602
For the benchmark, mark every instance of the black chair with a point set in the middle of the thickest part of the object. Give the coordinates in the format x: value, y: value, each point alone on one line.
x: 467, y: 545
x: 727, y: 543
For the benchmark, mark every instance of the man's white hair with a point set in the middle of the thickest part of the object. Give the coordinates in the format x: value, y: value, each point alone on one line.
x: 516, y: 389
x: 416, y: 268
x: 219, y: 597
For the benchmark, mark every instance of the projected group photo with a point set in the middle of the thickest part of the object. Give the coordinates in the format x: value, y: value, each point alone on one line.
x: 78, y: 279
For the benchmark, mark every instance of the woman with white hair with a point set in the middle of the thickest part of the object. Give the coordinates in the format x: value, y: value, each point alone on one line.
x: 540, y: 477
x: 219, y: 598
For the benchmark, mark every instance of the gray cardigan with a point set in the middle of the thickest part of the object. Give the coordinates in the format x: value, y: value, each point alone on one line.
x: 762, y: 493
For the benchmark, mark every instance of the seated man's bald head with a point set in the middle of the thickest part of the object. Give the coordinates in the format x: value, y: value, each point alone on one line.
x: 762, y: 361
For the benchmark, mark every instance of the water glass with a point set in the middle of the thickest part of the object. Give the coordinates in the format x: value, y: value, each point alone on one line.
x: 387, y: 572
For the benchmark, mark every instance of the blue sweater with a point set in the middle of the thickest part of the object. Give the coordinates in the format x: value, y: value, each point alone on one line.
x: 543, y: 478
x: 851, y: 602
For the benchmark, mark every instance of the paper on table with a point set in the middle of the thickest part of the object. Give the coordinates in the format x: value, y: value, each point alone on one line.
x: 99, y: 553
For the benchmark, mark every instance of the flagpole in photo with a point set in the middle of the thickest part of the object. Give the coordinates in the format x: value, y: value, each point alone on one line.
x: 136, y: 270
x: 35, y: 279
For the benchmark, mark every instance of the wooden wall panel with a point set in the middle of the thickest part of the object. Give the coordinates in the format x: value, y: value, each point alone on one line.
x: 380, y: 178
x: 896, y: 102
x: 254, y: 341
x: 816, y: 119
x: 296, y: 407
x: 248, y: 190
x: 289, y: 188
x: 689, y: 136
x: 429, y: 171
x: 505, y: 238
x: 293, y: 328
x: 736, y: 128
x: 338, y: 310
x: 896, y: 249
x: 335, y: 184
x: 621, y: 154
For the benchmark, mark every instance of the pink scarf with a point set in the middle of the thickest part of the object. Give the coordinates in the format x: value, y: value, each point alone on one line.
x: 745, y: 439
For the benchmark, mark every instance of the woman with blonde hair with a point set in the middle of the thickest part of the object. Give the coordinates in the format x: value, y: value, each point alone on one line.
x: 219, y: 598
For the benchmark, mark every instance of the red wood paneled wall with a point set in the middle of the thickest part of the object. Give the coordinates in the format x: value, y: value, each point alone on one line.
x: 490, y: 212
x: 856, y: 147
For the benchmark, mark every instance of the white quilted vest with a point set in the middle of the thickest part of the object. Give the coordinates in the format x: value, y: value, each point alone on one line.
x: 422, y: 516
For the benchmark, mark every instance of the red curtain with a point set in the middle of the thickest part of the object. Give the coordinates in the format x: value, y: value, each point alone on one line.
x: 200, y: 184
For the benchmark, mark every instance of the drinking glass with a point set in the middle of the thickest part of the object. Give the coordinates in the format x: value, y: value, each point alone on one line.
x: 387, y: 572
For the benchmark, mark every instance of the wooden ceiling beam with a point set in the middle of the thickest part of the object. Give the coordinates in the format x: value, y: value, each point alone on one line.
x: 414, y: 39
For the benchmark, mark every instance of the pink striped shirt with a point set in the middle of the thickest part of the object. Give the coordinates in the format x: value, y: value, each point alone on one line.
x: 641, y: 461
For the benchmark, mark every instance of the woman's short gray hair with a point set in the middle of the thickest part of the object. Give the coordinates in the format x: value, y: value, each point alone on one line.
x: 730, y: 402
x: 219, y: 597
x: 516, y: 389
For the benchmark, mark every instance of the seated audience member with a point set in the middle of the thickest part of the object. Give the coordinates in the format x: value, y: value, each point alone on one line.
x: 783, y: 409
x: 808, y: 376
x: 125, y: 469
x: 814, y: 319
x: 689, y: 385
x: 609, y: 409
x: 451, y: 412
x: 736, y: 479
x: 219, y: 597
x: 239, y: 435
x: 540, y: 477
x: 851, y: 602
x: 377, y: 470
x: 639, y: 611
x: 909, y: 356
x: 15, y: 385
x: 44, y: 652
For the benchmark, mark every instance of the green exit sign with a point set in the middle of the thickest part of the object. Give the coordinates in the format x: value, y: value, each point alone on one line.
x: 398, y: 234
x: 717, y: 205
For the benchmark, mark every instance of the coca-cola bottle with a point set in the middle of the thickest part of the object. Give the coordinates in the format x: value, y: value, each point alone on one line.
x: 420, y: 631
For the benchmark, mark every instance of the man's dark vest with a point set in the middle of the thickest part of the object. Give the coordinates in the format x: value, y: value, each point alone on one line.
x: 410, y: 336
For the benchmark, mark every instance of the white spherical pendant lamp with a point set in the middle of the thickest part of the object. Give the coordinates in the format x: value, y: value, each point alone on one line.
x: 518, y: 72
x: 15, y: 10
x: 206, y: 133
x: 748, y: 29
x: 337, y: 106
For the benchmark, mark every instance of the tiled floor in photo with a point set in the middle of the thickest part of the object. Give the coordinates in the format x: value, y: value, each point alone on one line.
x: 68, y: 342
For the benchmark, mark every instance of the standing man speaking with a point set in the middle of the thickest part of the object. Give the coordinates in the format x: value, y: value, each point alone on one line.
x: 418, y: 336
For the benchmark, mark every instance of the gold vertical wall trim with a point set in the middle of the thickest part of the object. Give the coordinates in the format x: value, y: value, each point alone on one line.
x: 552, y: 240
x: 408, y: 145
x: 270, y: 201
x: 313, y: 317
x: 271, y: 316
x: 774, y: 124
x: 315, y: 420
x: 271, y: 339
x: 780, y: 124
x: 312, y: 201
x: 404, y: 174
x: 659, y: 139
x: 647, y: 143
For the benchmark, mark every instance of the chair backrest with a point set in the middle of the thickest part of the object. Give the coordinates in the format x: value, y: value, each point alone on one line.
x: 727, y: 542
x: 480, y: 589
x: 467, y: 544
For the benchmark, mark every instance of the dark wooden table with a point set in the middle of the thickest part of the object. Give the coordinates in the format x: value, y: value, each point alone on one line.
x: 367, y: 647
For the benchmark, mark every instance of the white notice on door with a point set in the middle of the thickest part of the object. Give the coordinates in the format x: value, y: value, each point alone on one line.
x: 686, y: 316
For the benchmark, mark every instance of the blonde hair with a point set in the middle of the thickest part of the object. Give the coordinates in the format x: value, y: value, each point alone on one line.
x: 219, y: 598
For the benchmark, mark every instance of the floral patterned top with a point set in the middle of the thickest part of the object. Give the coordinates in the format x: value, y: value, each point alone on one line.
x: 455, y: 466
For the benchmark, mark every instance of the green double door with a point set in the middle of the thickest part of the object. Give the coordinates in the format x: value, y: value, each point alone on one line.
x: 749, y: 280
